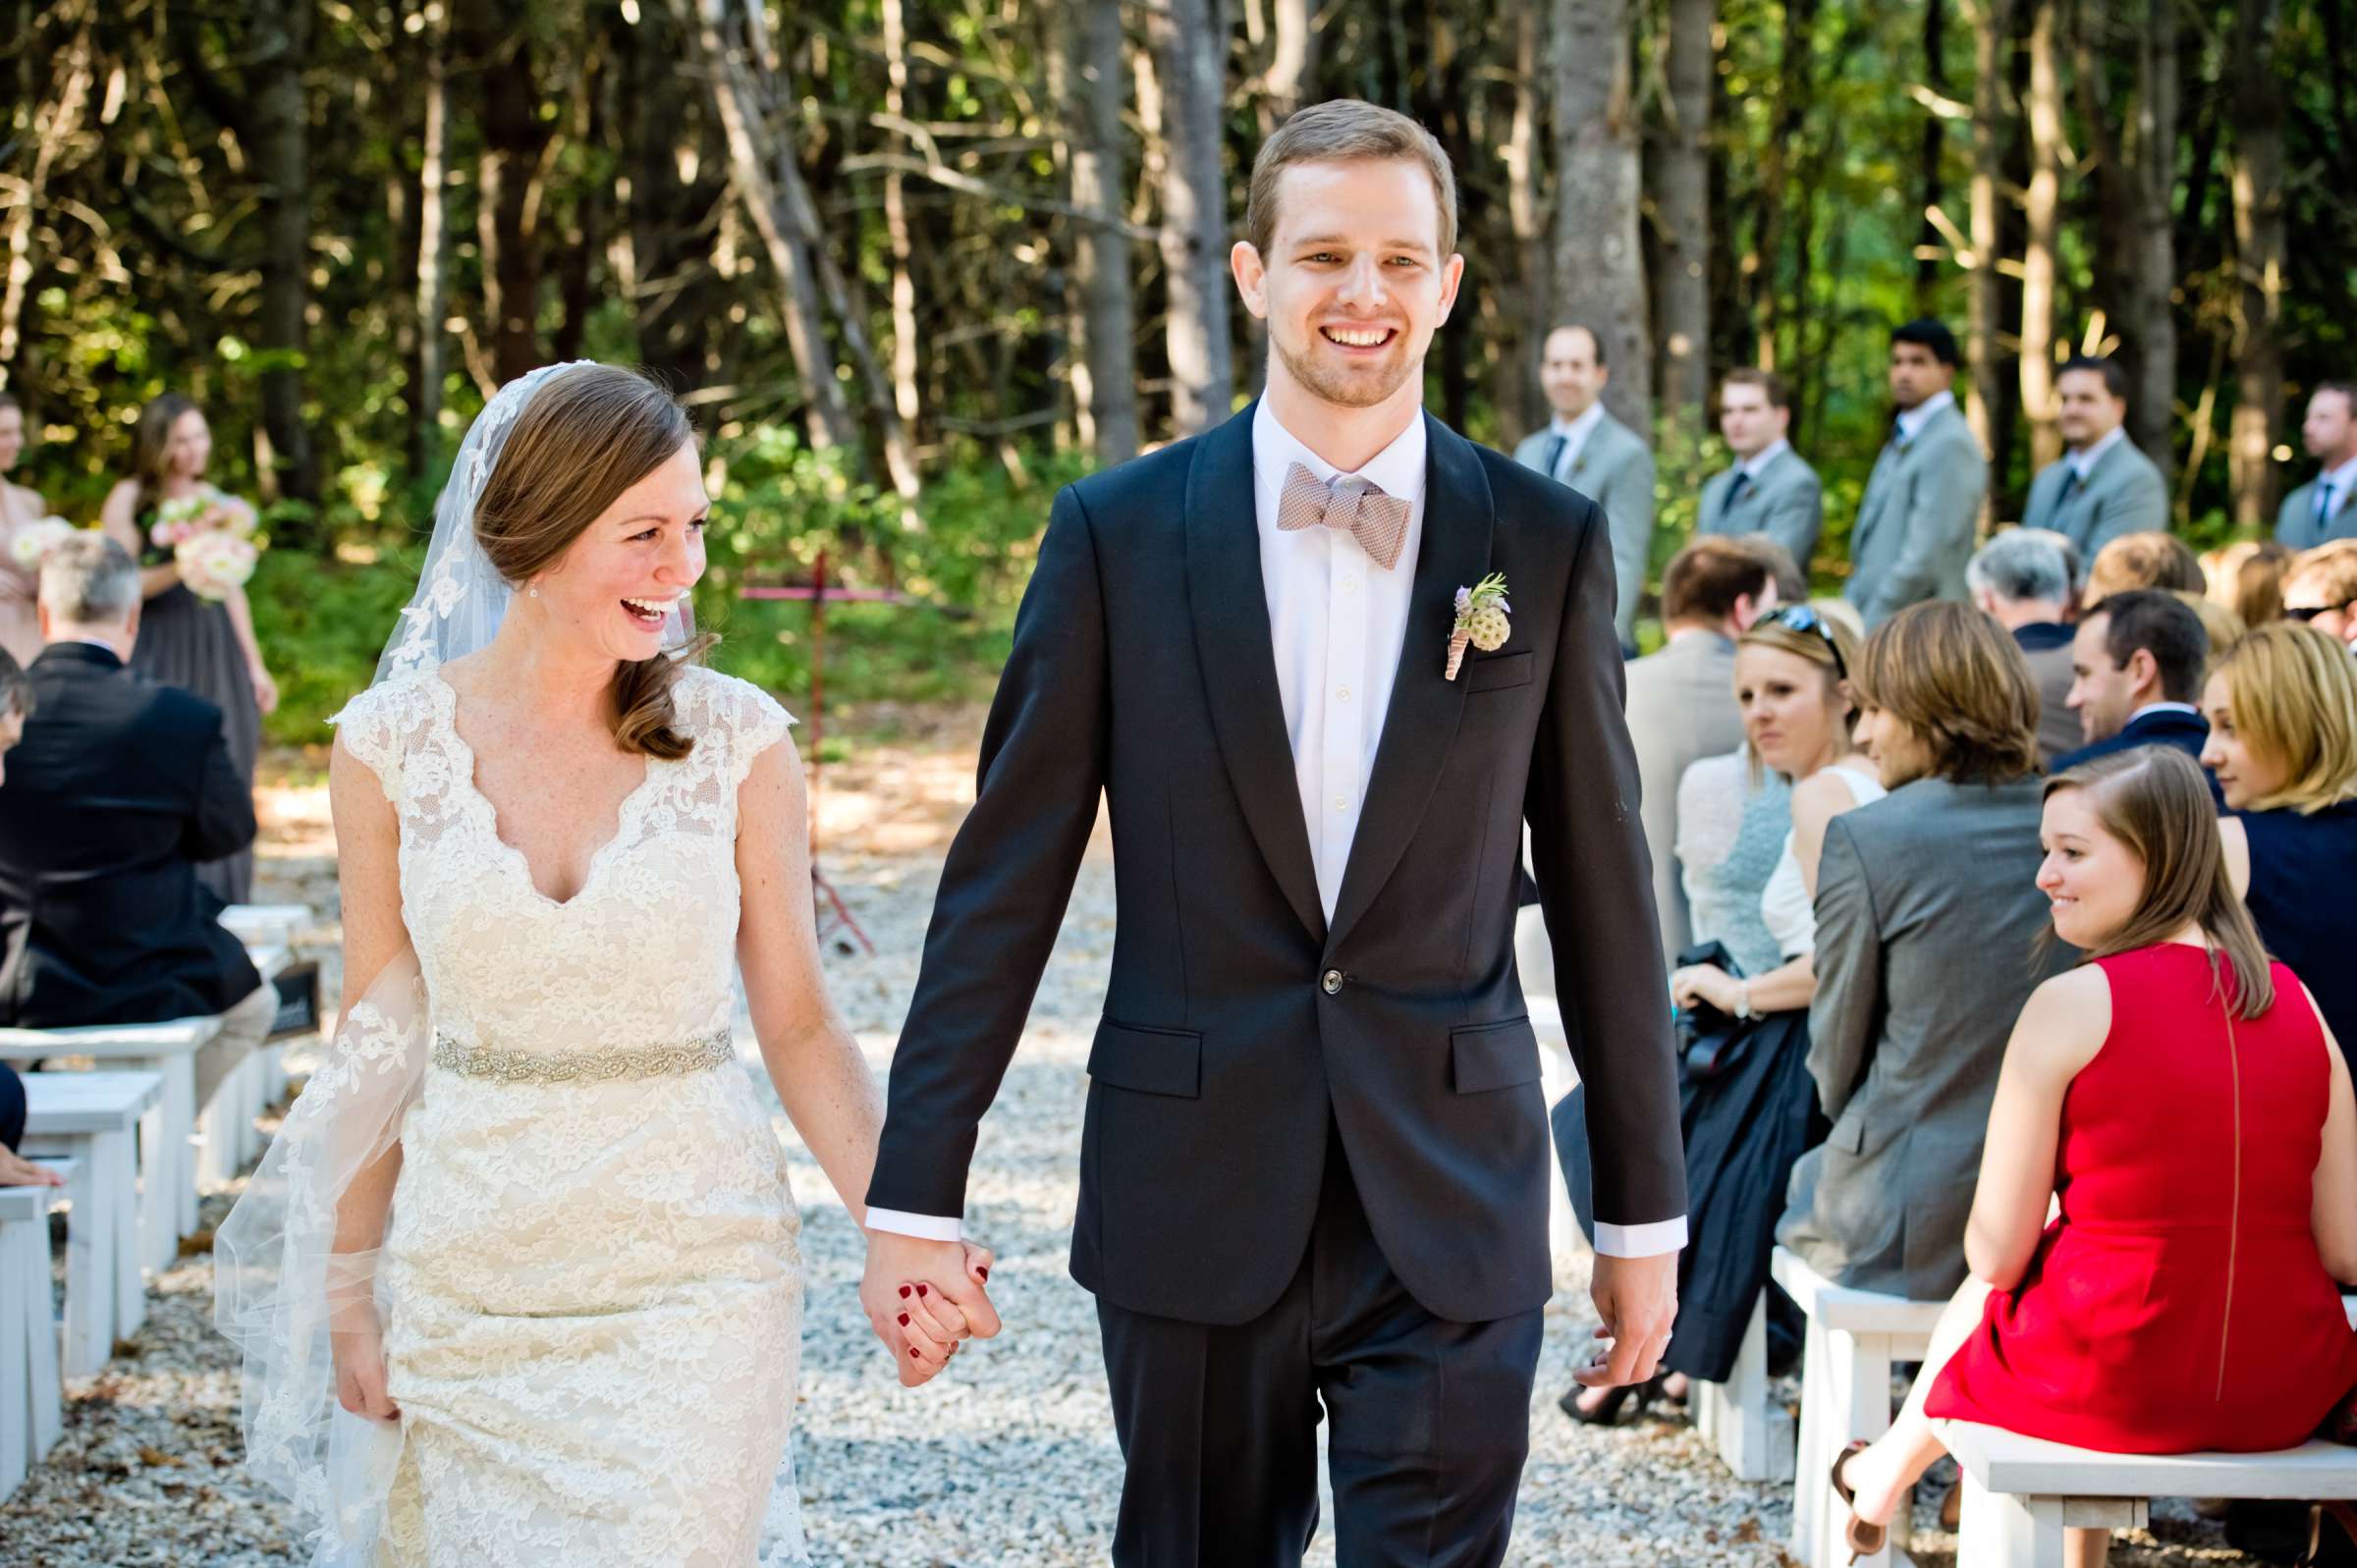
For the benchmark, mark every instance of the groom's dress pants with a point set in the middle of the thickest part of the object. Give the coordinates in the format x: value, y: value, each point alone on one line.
x: 1218, y: 1425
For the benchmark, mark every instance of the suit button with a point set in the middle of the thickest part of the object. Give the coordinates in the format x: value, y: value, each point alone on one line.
x: 1332, y: 982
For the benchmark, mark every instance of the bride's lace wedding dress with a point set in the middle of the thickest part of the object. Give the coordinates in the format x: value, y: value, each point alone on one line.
x: 591, y: 1280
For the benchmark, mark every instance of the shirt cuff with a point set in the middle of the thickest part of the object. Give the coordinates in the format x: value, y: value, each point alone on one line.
x: 1611, y: 1241
x: 940, y: 1228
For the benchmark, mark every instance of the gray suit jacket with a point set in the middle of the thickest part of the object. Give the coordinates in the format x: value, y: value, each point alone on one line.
x: 2295, y: 519
x: 1915, y: 528
x: 1786, y: 503
x: 1926, y: 912
x: 2123, y: 494
x: 2047, y: 652
x: 1681, y: 708
x: 1614, y: 469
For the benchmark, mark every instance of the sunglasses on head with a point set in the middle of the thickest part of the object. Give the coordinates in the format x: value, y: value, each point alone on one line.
x: 2310, y: 612
x: 1803, y: 619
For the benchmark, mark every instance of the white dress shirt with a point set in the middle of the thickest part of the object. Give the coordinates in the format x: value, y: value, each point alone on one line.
x: 1337, y: 621
x: 1911, y: 420
x: 1753, y: 466
x: 1575, y: 433
x: 2082, y: 459
x: 2334, y: 486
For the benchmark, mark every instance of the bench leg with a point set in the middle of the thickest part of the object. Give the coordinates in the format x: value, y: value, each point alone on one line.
x: 1734, y: 1417
x: 1858, y: 1404
x: 90, y: 1273
x: 17, y: 1395
x: 179, y: 1132
x: 111, y: 1154
x: 156, y: 1241
x: 2003, y: 1531
x: 49, y: 1394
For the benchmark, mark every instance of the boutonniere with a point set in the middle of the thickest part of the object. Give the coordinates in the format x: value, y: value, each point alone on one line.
x: 1481, y: 612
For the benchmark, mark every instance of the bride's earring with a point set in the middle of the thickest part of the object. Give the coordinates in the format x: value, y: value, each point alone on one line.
x: 533, y: 590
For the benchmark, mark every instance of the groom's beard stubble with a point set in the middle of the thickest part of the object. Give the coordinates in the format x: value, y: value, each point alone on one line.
x: 1362, y: 388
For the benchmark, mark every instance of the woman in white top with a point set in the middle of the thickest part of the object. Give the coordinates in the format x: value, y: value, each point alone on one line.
x: 1754, y: 1110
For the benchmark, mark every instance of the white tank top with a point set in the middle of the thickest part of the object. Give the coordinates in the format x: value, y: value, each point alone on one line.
x: 1785, y: 905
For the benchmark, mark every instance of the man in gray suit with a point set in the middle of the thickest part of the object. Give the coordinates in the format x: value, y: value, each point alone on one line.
x: 1681, y: 700
x: 2324, y: 509
x: 1915, y: 528
x: 1596, y: 454
x: 1770, y: 490
x: 2103, y: 487
x: 2021, y: 580
x: 1927, y: 915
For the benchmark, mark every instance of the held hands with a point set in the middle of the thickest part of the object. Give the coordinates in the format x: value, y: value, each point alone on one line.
x: 1636, y: 1302
x: 923, y: 1298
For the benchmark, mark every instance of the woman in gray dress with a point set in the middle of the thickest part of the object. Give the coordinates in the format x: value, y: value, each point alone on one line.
x: 206, y: 646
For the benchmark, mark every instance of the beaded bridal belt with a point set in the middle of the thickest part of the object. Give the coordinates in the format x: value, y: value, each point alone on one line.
x: 583, y: 1066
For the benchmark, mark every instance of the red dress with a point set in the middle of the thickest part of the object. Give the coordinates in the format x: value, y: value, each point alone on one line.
x: 2177, y: 1304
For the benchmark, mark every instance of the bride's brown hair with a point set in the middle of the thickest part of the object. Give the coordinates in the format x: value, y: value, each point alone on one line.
x: 585, y: 438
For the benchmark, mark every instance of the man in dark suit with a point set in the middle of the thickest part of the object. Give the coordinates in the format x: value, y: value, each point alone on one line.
x: 2136, y: 666
x: 1315, y: 1164
x: 16, y: 706
x: 118, y: 788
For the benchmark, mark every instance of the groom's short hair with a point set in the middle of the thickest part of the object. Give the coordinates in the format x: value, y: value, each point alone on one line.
x: 1338, y: 132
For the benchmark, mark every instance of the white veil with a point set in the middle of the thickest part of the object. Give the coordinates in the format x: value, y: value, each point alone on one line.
x: 280, y: 1284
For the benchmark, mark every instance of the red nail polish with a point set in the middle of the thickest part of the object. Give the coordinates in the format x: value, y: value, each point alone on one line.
x: 912, y: 1351
x: 904, y: 1292
x: 904, y: 1320
x: 920, y: 1290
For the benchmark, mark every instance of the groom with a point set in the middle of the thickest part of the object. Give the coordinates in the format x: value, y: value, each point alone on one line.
x: 1315, y: 1161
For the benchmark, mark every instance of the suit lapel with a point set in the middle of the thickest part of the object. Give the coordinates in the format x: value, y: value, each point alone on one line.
x: 1421, y: 723
x: 1231, y: 610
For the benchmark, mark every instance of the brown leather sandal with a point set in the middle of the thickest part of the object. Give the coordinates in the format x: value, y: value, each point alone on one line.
x: 1864, y: 1540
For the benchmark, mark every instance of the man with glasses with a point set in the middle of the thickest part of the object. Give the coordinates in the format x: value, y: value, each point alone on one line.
x: 2322, y: 589
x: 2324, y: 509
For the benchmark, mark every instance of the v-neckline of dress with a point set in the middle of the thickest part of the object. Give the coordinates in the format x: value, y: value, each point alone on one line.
x: 466, y: 767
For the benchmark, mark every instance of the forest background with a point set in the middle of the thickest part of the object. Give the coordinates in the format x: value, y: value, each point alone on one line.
x: 913, y: 264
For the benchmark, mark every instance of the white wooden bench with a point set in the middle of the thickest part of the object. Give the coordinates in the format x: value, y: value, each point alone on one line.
x: 2020, y: 1493
x: 1752, y: 1436
x: 268, y: 925
x: 31, y: 1399
x: 93, y: 1118
x: 167, y: 1131
x: 226, y: 1134
x: 1854, y: 1338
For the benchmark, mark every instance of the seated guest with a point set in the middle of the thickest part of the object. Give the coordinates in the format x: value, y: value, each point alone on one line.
x: 2102, y: 486
x: 16, y: 703
x: 1770, y: 490
x: 2103, y: 1329
x: 2324, y: 509
x: 2221, y: 628
x: 2320, y: 588
x: 2136, y: 666
x: 1748, y: 1122
x: 2282, y: 710
x: 117, y: 790
x: 2021, y: 580
x: 1926, y: 911
x: 2143, y: 560
x: 2247, y: 577
x: 1680, y: 700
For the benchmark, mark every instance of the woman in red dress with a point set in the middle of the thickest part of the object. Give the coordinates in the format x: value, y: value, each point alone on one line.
x: 2197, y: 1130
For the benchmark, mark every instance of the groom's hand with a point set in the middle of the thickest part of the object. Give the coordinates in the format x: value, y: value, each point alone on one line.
x: 921, y: 1297
x: 1636, y: 1302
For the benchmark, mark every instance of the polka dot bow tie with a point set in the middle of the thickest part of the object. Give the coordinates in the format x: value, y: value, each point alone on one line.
x: 1379, y: 522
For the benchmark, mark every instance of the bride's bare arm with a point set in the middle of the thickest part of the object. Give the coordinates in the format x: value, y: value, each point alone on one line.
x: 369, y: 870
x: 821, y: 1078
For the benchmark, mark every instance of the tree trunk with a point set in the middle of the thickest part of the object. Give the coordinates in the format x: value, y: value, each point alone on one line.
x: 1599, y: 269
x: 508, y: 197
x: 433, y: 179
x: 280, y: 50
x: 1524, y: 308
x: 1992, y: 27
x: 2151, y: 322
x: 895, y: 220
x: 1682, y: 208
x: 1190, y: 51
x: 54, y: 123
x: 1927, y: 158
x: 1105, y: 376
x: 1294, y: 63
x: 2257, y: 105
x: 2043, y: 210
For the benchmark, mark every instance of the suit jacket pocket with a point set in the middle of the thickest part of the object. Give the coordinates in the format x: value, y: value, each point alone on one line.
x: 1493, y: 1055
x: 1156, y: 1061
x: 1502, y: 670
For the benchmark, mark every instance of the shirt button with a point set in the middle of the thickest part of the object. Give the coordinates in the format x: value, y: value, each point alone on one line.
x: 1350, y: 585
x: 1342, y: 694
x: 1341, y: 802
x: 1332, y: 982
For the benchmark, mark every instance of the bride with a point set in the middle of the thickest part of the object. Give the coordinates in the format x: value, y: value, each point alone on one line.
x: 518, y: 1281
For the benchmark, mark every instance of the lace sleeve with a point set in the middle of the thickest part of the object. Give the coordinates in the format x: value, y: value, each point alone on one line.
x: 372, y: 726
x: 750, y: 719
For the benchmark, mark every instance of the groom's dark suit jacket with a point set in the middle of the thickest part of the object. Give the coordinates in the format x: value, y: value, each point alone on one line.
x: 1239, y: 1022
